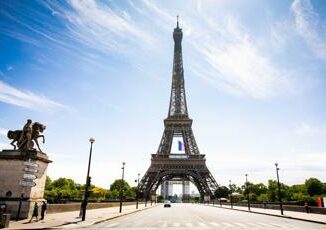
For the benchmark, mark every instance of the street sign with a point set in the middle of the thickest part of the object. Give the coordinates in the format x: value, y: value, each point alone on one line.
x: 27, y: 183
x: 29, y: 176
x: 31, y: 164
x: 33, y: 170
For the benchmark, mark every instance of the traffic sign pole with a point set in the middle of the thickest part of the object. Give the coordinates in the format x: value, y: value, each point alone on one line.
x: 27, y: 181
x: 20, y: 206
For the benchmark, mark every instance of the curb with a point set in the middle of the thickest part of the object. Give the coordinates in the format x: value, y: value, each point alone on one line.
x: 269, y: 214
x: 114, y: 217
x: 102, y: 220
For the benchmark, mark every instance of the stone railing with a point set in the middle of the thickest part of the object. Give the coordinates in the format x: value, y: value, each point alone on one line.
x: 294, y: 208
x: 67, y: 207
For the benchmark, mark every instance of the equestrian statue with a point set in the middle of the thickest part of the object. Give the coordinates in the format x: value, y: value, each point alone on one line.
x: 25, y: 138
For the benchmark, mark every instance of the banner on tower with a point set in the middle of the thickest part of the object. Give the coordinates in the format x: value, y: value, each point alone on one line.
x: 180, y: 146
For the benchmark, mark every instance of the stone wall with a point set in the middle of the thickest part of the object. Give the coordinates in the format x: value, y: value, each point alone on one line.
x: 55, y: 208
x: 12, y: 170
x: 294, y: 208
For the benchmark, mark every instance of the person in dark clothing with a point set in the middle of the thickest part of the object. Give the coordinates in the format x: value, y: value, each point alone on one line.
x: 306, y: 206
x: 43, y: 209
x: 35, y: 212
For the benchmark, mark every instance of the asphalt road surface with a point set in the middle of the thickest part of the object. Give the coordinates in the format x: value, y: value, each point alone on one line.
x: 195, y: 216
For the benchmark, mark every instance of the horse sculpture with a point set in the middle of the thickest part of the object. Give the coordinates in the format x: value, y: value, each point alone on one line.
x: 26, y: 144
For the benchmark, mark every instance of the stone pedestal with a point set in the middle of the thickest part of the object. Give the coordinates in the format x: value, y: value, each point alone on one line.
x: 13, y: 185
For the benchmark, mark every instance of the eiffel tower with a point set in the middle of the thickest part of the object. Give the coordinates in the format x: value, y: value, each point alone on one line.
x: 190, y: 165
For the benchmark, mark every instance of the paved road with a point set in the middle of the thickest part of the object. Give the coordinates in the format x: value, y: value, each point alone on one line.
x: 194, y: 216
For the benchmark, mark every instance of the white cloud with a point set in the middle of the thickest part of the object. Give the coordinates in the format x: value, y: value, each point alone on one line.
x: 5, y: 146
x: 305, y: 129
x: 237, y: 64
x: 100, y: 27
x: 310, y: 26
x: 232, y: 60
x: 226, y: 55
x: 9, y: 68
x: 3, y: 132
x: 260, y: 167
x: 26, y: 99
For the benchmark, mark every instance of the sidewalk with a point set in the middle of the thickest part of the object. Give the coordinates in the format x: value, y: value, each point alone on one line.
x: 71, y: 219
x: 311, y: 217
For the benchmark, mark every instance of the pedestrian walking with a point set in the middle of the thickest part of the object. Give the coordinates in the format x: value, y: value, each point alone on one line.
x: 44, y: 207
x: 306, y: 207
x: 35, y: 212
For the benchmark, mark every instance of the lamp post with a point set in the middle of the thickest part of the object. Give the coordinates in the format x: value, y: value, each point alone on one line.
x: 231, y: 195
x: 247, y: 186
x: 137, y: 194
x: 88, y: 180
x: 121, y: 189
x: 279, y: 188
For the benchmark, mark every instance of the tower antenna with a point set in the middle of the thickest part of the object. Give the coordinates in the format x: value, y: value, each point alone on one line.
x: 177, y: 21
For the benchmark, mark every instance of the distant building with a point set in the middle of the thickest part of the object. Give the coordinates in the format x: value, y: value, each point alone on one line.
x: 167, y: 188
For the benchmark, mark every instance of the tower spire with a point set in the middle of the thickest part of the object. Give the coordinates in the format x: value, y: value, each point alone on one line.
x: 178, y: 105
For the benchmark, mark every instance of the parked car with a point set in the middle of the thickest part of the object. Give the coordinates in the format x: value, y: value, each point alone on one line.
x: 167, y: 204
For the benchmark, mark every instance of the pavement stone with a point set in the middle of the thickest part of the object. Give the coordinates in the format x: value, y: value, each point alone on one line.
x: 311, y: 217
x: 72, y: 220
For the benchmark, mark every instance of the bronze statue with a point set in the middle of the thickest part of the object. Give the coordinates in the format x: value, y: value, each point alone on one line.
x: 24, y: 138
x: 26, y: 134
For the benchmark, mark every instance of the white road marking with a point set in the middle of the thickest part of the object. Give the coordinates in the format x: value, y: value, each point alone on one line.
x: 241, y: 225
x: 111, y: 225
x: 266, y: 225
x: 288, y: 225
x: 176, y: 225
x: 275, y: 225
x: 202, y: 225
x: 214, y: 224
x: 227, y: 224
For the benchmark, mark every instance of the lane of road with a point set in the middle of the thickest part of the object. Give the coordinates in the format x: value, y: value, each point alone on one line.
x: 194, y: 216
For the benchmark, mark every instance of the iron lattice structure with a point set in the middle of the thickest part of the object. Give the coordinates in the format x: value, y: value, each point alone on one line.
x: 190, y: 166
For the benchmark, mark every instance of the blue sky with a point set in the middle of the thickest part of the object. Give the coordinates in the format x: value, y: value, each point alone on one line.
x: 254, y: 72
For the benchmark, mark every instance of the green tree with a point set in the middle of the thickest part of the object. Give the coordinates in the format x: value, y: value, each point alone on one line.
x: 258, y: 189
x: 160, y: 198
x: 98, y: 193
x: 222, y: 191
x: 61, y: 189
x: 235, y: 188
x: 298, y: 188
x: 131, y: 193
x: 119, y: 184
x: 272, y: 190
x: 300, y: 197
x: 48, y: 183
x: 112, y: 195
x: 254, y: 190
x: 314, y: 186
x: 262, y: 197
x: 64, y: 183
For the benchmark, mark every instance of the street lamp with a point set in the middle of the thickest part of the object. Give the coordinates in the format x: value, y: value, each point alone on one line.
x: 122, y: 184
x: 137, y: 194
x: 231, y: 194
x: 279, y: 188
x: 247, y: 186
x: 88, y: 180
